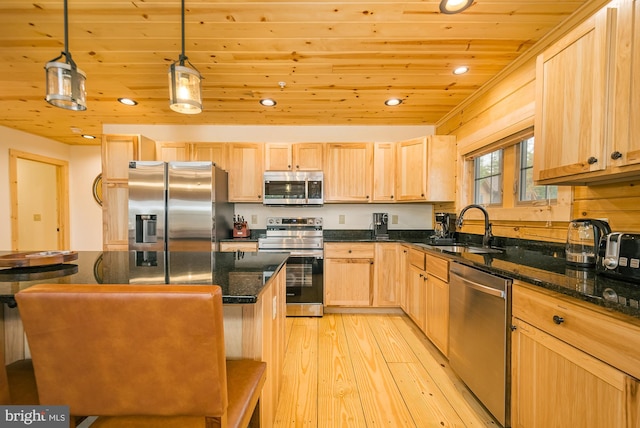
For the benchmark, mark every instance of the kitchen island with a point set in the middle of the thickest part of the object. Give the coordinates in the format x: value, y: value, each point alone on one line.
x: 253, y: 288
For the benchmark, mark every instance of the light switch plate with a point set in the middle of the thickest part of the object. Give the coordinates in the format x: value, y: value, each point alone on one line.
x: 394, y: 219
x: 341, y: 219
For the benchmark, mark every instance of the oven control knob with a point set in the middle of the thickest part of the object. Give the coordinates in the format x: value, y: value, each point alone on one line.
x: 271, y: 221
x: 318, y: 221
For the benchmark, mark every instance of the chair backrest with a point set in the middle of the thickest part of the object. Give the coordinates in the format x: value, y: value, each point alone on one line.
x: 127, y: 350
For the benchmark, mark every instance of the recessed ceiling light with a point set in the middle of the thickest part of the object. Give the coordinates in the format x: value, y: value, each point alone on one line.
x: 461, y: 70
x: 454, y: 6
x: 268, y: 102
x: 127, y: 101
x: 393, y: 102
x: 89, y: 137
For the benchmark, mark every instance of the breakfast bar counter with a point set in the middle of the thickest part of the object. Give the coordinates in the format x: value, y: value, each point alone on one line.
x: 253, y: 287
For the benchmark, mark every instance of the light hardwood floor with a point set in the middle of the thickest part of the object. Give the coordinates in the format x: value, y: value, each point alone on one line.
x: 355, y: 370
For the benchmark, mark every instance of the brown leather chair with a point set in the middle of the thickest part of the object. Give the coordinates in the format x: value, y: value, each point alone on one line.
x: 138, y: 356
x: 17, y: 381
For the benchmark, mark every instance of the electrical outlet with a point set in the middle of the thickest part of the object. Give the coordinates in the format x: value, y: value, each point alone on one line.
x: 341, y: 219
x: 254, y: 219
x: 394, y: 219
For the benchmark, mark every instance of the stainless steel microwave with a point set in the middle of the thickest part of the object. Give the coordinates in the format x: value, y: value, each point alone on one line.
x: 293, y: 188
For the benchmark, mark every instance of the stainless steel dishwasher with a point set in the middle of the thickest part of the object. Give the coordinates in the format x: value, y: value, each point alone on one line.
x: 479, y: 341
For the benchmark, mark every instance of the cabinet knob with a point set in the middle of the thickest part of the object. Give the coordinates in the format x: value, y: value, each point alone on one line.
x: 349, y: 251
x: 422, y: 195
x: 288, y: 166
x: 616, y: 155
x: 592, y: 160
x: 391, y: 196
x: 259, y: 196
x: 558, y: 319
x: 367, y: 196
x: 297, y: 166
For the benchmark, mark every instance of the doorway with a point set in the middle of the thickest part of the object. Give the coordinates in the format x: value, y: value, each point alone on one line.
x: 39, y: 202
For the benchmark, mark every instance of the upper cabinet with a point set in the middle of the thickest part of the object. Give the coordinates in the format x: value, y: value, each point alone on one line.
x: 245, y: 172
x: 425, y: 169
x: 348, y: 172
x: 214, y: 152
x: 384, y: 172
x: 587, y: 115
x: 170, y: 152
x: 293, y: 156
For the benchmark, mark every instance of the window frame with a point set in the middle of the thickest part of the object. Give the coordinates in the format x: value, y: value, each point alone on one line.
x: 491, y: 176
x: 519, y: 177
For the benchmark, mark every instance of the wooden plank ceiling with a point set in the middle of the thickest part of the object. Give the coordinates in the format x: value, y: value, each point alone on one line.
x: 339, y: 60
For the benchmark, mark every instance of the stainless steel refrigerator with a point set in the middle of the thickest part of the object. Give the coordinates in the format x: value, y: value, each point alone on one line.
x: 178, y: 206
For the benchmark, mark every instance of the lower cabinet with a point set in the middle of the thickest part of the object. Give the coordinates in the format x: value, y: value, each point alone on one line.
x: 572, y: 366
x: 416, y: 296
x: 385, y: 281
x: 437, y: 303
x: 348, y: 273
x: 557, y: 385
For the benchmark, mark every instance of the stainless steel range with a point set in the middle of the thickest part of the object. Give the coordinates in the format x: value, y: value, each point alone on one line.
x: 302, y: 237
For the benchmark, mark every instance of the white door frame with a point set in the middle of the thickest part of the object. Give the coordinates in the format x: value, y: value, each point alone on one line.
x: 62, y: 188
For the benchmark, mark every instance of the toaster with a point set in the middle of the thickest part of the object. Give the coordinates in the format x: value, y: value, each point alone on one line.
x: 619, y: 256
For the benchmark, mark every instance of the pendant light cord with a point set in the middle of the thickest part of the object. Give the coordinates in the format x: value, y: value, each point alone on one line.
x: 183, y: 57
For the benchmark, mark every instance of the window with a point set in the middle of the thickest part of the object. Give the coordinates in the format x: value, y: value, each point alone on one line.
x: 488, y: 178
x: 527, y: 191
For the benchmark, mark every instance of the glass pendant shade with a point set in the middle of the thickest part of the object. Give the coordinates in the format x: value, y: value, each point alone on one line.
x: 65, y: 86
x: 185, y: 90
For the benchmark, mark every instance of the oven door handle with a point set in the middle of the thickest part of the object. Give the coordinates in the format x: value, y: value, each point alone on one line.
x: 480, y: 287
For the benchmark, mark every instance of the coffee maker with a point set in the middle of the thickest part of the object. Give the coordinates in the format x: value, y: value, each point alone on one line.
x: 381, y: 225
x: 445, y: 227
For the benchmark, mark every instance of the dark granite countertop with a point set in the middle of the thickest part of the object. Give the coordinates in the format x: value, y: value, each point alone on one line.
x: 241, y: 276
x: 534, y: 262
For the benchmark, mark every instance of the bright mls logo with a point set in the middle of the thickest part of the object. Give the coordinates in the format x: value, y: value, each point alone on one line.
x: 34, y: 416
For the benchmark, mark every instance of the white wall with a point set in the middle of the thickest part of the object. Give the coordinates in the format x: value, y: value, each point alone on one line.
x: 84, y: 165
x: 356, y: 216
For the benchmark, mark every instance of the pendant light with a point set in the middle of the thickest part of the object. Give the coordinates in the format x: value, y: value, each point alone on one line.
x: 65, y: 82
x: 185, y: 84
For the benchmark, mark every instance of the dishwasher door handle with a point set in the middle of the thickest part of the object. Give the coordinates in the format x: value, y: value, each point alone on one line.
x: 482, y: 288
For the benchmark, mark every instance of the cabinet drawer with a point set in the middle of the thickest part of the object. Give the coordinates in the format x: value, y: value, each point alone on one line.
x: 611, y: 338
x: 438, y: 267
x: 246, y: 246
x: 417, y: 258
x: 348, y: 250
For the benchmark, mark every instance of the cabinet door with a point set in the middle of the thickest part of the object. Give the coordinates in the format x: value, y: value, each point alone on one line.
x: 441, y: 168
x: 278, y: 157
x: 245, y: 172
x: 625, y: 111
x: 385, y: 283
x: 416, y: 296
x: 403, y: 276
x: 384, y: 172
x: 348, y: 171
x: 117, y: 152
x: 169, y: 152
x: 557, y: 385
x: 411, y: 170
x: 214, y: 152
x: 347, y: 282
x: 571, y: 89
x: 438, y: 313
x: 308, y: 156
x: 115, y: 216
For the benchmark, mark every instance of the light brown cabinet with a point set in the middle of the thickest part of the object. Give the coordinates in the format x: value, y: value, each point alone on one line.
x: 294, y: 156
x: 425, y: 169
x: 348, y: 172
x: 117, y: 152
x: 212, y: 152
x: 384, y: 172
x: 245, y: 172
x: 572, y: 365
x: 416, y: 288
x: 170, y: 152
x: 348, y: 273
x: 385, y: 281
x: 437, y: 302
x: 587, y: 117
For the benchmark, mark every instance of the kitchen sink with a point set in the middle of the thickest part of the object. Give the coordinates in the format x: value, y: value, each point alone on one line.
x: 458, y: 248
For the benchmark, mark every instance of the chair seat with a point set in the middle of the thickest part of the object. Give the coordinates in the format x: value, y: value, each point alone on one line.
x: 245, y: 379
x: 22, y: 383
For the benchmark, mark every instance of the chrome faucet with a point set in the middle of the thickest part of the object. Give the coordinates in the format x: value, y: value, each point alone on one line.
x: 486, y: 239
